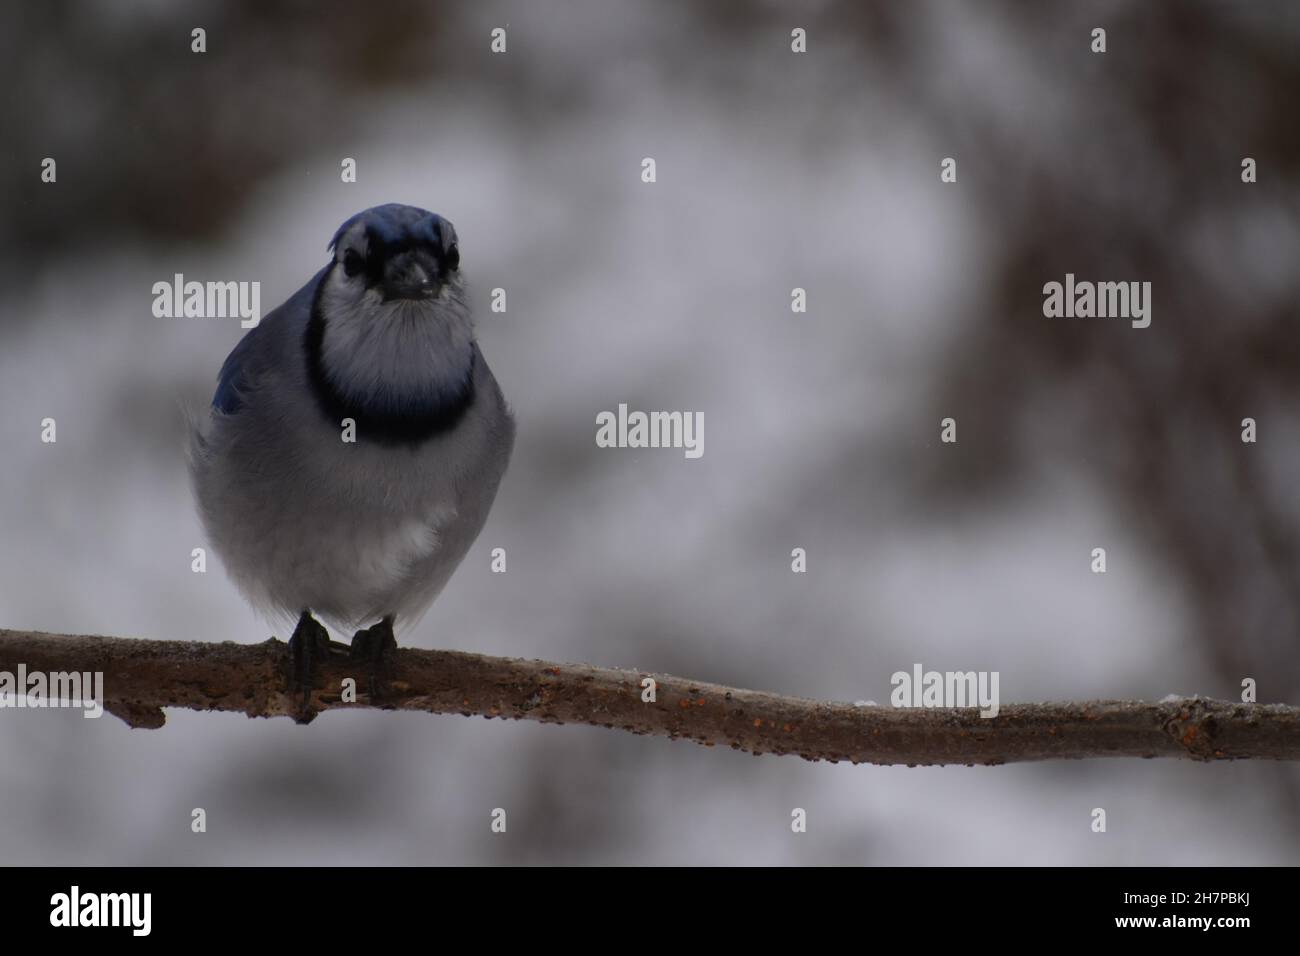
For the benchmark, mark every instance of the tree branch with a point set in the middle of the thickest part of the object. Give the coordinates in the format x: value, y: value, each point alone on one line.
x: 141, y: 677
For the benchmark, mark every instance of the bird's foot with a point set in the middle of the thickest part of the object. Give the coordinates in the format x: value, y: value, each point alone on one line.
x: 374, y: 645
x: 308, y: 646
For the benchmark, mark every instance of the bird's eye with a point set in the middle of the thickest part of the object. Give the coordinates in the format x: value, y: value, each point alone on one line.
x: 351, y: 262
x: 452, y: 257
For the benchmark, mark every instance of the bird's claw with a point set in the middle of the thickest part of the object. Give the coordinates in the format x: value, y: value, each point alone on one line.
x: 308, y: 646
x: 374, y: 645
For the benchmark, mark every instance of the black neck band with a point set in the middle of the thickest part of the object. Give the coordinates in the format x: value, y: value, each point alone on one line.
x: 405, y: 426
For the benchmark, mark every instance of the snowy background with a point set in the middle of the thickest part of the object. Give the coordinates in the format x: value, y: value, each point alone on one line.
x: 775, y: 170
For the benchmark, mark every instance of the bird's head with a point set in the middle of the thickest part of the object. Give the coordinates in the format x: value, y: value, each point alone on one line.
x: 391, y: 331
x: 395, y: 254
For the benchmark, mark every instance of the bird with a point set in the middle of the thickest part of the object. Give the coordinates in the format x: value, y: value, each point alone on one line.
x: 355, y: 442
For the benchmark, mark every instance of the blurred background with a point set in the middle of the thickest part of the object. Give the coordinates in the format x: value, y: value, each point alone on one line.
x: 775, y: 170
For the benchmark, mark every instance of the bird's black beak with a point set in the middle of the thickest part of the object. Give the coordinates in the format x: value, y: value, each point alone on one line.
x: 411, y: 274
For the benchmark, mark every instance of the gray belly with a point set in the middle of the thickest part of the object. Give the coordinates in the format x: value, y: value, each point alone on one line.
x: 353, y: 531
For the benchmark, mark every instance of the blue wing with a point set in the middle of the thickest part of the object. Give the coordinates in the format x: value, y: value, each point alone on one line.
x: 262, y: 346
x: 229, y: 381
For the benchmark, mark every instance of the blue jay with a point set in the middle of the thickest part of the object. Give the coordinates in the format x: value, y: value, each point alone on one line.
x: 378, y: 347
